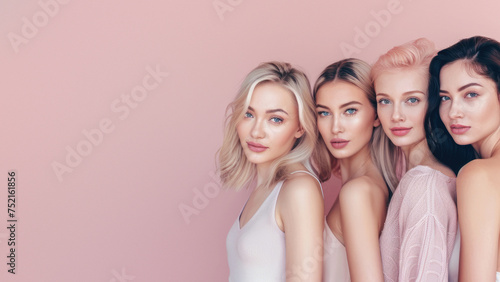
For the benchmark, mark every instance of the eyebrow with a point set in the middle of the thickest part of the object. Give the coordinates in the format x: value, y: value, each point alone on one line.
x: 405, y: 93
x: 350, y: 103
x: 270, y: 111
x: 341, y: 106
x: 463, y: 87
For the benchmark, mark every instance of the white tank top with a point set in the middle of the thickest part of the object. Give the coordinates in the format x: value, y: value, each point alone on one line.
x: 335, y: 267
x: 454, y: 259
x: 256, y: 252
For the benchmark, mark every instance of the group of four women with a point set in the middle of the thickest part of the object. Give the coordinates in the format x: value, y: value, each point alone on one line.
x: 413, y: 138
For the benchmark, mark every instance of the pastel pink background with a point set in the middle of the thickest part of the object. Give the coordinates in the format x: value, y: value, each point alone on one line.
x: 117, y: 214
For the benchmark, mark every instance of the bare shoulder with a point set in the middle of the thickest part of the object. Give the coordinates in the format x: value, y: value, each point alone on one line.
x: 301, y: 185
x: 481, y: 175
x: 300, y: 199
x: 364, y: 194
x: 363, y: 199
x: 362, y: 188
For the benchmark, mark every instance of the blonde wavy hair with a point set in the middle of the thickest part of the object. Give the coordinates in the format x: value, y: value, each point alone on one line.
x: 234, y: 168
x: 415, y: 55
x: 356, y: 72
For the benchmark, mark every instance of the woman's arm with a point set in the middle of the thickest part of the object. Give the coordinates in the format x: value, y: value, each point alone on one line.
x: 427, y: 224
x: 479, y: 220
x: 301, y: 210
x: 362, y: 213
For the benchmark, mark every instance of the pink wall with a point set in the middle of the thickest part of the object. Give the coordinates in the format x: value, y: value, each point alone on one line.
x: 126, y: 99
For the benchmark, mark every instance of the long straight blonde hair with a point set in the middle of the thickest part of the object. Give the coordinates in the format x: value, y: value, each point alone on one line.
x: 234, y: 168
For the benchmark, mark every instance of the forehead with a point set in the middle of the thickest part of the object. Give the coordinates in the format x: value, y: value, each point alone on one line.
x: 460, y: 73
x: 401, y: 81
x: 337, y: 93
x: 269, y: 95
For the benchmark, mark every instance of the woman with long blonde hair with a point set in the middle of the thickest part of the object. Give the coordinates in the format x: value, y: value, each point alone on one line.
x: 269, y: 137
x: 347, y: 121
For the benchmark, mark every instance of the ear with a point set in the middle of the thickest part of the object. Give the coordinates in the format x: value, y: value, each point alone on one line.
x: 299, y: 132
x: 376, y: 122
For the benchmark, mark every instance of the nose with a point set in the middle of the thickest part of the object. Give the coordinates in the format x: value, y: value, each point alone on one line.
x: 455, y: 110
x: 337, y: 126
x: 258, y: 131
x: 397, y: 114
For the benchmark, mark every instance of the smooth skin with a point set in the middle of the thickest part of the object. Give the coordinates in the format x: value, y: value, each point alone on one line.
x: 358, y: 214
x: 272, y: 121
x: 473, y: 100
x: 402, y: 102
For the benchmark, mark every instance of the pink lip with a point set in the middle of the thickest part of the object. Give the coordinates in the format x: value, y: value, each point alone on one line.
x: 256, y: 147
x: 459, y: 129
x: 338, y: 143
x: 400, y: 131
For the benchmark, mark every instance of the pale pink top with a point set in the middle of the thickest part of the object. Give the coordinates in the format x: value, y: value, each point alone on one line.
x: 256, y: 252
x: 419, y: 232
x: 335, y: 267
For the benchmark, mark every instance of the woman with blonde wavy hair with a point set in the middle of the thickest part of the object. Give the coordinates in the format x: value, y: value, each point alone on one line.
x: 347, y: 122
x: 269, y: 137
x: 419, y: 233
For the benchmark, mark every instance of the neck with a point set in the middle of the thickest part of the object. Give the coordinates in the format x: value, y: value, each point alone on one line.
x: 356, y: 165
x: 262, y: 173
x: 417, y: 154
x: 487, y: 147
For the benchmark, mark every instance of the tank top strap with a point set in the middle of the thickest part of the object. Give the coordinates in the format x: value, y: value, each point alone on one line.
x: 313, y: 175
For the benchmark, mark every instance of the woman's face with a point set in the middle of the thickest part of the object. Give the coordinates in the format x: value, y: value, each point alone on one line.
x: 345, y: 118
x: 402, y: 104
x: 470, y: 107
x: 270, y: 125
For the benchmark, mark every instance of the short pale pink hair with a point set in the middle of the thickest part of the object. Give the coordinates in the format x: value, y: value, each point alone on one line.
x: 415, y: 54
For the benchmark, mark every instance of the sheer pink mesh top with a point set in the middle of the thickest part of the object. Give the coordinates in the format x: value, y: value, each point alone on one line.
x: 419, y: 232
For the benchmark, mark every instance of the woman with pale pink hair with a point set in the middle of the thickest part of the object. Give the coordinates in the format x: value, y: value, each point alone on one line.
x: 421, y: 225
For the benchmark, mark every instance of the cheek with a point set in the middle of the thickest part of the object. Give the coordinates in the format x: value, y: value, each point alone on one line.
x: 323, y: 126
x: 416, y: 114
x: 281, y: 134
x: 383, y: 114
x: 444, y: 109
x: 241, y: 130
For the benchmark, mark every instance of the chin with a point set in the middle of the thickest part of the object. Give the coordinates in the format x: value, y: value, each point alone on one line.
x: 343, y: 155
x: 402, y: 143
x: 462, y: 141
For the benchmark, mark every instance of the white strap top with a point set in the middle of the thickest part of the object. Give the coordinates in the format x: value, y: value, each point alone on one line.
x: 454, y: 260
x: 335, y: 267
x: 256, y: 252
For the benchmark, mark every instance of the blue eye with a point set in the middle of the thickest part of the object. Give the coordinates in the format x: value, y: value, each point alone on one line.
x: 323, y: 113
x: 276, y: 120
x: 471, y: 95
x: 445, y: 98
x: 350, y: 112
x: 248, y: 115
x: 384, y: 101
x: 413, y: 100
